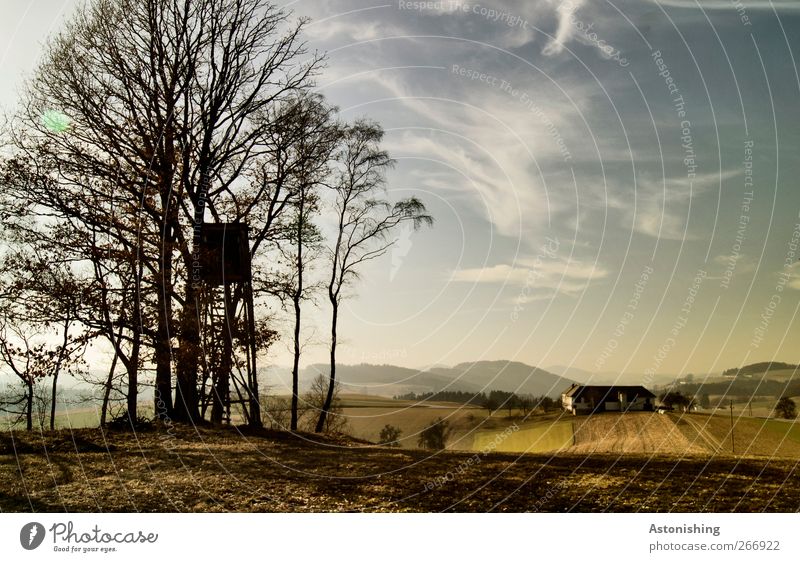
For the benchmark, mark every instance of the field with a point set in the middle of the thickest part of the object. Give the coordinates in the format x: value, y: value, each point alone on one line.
x: 366, y: 415
x: 74, y: 418
x: 186, y: 470
x: 751, y: 436
x: 532, y: 437
x: 545, y: 462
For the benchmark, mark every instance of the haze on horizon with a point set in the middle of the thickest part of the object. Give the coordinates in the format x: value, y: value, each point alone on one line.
x: 614, y: 185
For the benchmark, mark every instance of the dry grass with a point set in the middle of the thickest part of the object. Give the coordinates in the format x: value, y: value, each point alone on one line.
x: 632, y: 432
x: 223, y: 470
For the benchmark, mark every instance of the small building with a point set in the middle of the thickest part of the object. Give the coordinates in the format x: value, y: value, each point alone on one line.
x: 580, y: 399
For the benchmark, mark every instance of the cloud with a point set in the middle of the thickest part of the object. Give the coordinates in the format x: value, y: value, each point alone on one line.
x: 548, y: 272
x: 663, y: 207
x: 792, y: 274
x: 488, y: 144
x: 509, y: 161
x: 731, y: 265
x: 565, y: 29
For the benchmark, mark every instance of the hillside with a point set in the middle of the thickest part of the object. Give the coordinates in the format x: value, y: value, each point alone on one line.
x: 391, y: 380
x: 203, y: 470
x: 763, y: 368
x: 510, y: 376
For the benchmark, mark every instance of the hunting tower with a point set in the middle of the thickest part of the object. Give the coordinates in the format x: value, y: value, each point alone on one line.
x: 228, y: 324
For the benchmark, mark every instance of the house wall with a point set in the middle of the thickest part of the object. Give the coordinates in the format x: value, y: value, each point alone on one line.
x: 638, y: 405
x: 591, y: 401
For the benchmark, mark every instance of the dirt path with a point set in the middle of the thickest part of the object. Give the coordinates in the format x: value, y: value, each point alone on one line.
x: 702, y: 434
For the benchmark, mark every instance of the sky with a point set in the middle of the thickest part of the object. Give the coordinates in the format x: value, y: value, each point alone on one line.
x: 614, y: 183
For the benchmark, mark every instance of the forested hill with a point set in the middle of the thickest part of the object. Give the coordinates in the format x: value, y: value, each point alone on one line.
x: 391, y: 380
x: 757, y: 368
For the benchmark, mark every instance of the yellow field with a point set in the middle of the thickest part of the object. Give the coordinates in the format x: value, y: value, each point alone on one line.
x: 536, y: 437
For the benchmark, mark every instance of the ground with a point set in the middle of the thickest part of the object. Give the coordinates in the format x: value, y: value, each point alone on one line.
x: 198, y: 470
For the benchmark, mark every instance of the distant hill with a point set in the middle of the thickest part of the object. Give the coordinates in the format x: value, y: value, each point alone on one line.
x: 759, y: 368
x: 510, y: 376
x: 391, y: 380
x: 388, y: 380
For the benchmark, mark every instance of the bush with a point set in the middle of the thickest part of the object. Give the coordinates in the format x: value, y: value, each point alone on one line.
x: 277, y: 412
x: 123, y: 423
x: 390, y: 435
x: 786, y: 408
x: 676, y: 400
x: 435, y: 436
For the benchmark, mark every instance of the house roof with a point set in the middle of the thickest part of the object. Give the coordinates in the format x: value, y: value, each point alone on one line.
x: 576, y: 390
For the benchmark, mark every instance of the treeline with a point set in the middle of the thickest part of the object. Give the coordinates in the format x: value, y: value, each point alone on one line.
x: 493, y: 400
x: 758, y: 368
x: 743, y: 389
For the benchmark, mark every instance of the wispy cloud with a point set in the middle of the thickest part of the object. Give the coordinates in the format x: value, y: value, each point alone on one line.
x: 664, y: 207
x: 793, y: 274
x: 556, y: 274
x: 566, y: 29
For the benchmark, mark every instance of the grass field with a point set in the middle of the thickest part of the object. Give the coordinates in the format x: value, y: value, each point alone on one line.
x: 751, y: 436
x: 180, y: 469
x: 74, y: 418
x: 534, y: 437
x: 555, y: 462
x: 366, y: 417
x: 758, y: 407
x: 472, y: 428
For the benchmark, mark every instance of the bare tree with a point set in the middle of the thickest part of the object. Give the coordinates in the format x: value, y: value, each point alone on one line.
x: 310, y: 137
x: 158, y: 115
x: 39, y: 302
x: 315, y: 398
x: 365, y: 220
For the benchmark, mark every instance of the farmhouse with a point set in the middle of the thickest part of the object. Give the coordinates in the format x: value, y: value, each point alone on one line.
x: 580, y: 399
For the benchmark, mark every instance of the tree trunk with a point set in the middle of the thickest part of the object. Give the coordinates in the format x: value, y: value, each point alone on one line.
x: 186, y: 397
x: 255, y: 406
x: 298, y: 294
x: 163, y: 348
x: 132, y: 365
x: 163, y: 352
x: 163, y: 383
x: 133, y: 380
x: 296, y: 363
x: 29, y: 406
x: 53, y: 401
x: 57, y: 370
x: 323, y: 415
x: 107, y: 390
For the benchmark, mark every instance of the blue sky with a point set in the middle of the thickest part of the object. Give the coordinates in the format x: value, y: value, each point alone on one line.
x: 589, y: 211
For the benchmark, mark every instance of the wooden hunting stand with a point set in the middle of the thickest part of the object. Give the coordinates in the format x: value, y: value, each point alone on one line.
x: 228, y: 324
